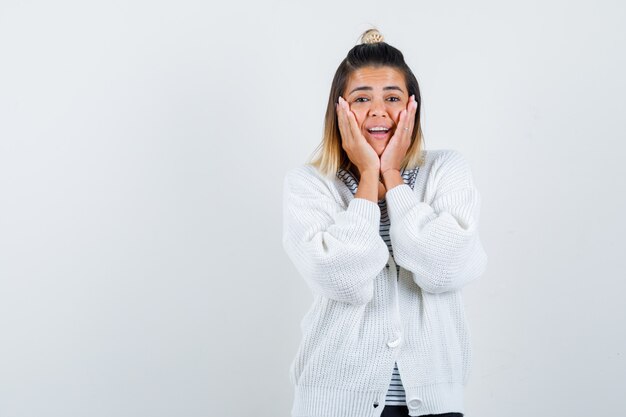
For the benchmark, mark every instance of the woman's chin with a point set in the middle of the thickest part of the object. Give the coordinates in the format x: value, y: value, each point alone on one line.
x: 380, y: 149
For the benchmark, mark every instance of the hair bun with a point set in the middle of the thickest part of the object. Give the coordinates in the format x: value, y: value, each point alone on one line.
x: 372, y: 36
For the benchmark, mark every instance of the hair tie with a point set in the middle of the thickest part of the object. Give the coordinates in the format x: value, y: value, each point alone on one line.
x: 372, y: 36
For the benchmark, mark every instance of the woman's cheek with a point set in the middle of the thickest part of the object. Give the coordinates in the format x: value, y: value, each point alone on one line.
x: 359, y: 118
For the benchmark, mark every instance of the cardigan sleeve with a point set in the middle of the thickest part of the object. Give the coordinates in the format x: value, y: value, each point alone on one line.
x: 337, y: 250
x: 437, y: 239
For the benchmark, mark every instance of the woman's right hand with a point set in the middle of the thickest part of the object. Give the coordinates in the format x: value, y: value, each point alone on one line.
x: 353, y: 142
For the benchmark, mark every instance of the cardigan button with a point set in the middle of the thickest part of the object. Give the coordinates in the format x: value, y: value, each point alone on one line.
x: 415, y: 403
x: 394, y: 343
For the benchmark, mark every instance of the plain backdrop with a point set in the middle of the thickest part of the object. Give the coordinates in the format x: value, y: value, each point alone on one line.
x: 143, y: 145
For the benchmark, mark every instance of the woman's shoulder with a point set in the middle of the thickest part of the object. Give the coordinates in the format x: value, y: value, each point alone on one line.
x: 450, y: 164
x: 440, y: 155
x: 306, y: 172
x: 310, y: 178
x: 444, y: 157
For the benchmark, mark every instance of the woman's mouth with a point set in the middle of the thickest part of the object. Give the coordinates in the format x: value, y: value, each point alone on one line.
x: 379, y: 132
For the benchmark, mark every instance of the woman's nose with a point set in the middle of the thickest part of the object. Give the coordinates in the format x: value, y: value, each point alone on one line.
x: 378, y: 108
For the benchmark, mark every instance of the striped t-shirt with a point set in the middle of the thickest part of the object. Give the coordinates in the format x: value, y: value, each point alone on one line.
x: 395, y: 394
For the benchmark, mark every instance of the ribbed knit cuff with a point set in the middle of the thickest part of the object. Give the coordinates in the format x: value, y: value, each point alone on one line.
x: 401, y: 199
x: 366, y: 209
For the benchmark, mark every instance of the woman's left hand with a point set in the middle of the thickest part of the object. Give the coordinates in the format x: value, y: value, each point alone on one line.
x: 399, y: 144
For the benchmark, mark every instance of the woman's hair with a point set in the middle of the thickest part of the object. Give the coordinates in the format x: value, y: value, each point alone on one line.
x: 371, y: 52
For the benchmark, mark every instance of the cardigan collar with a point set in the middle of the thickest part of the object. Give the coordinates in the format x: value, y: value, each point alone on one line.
x: 352, y: 183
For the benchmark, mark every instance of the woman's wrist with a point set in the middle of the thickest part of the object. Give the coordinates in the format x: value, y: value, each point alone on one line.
x: 392, y: 178
x: 368, y: 185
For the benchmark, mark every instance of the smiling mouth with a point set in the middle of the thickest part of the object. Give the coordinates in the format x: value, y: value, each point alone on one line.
x: 379, y: 132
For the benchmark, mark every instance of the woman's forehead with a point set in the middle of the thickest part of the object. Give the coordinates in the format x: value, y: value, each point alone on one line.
x: 374, y: 78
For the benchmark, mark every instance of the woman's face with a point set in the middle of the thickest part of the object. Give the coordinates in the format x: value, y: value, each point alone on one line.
x: 376, y: 96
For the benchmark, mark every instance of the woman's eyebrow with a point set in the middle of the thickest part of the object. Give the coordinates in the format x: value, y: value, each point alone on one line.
x: 367, y: 88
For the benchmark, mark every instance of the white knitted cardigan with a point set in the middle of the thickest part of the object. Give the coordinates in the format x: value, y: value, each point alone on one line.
x: 363, y: 319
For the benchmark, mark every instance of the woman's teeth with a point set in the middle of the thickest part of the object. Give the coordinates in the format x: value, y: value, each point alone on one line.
x: 379, y: 132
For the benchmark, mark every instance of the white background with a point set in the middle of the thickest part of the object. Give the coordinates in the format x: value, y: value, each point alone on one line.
x: 142, y: 151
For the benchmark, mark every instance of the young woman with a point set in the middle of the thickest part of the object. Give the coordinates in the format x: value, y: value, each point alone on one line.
x: 385, y: 234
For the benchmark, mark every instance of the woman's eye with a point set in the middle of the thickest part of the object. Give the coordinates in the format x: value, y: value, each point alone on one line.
x: 393, y: 99
x: 360, y: 100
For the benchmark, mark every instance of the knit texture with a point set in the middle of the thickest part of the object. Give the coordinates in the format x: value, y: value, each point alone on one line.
x: 395, y: 394
x: 364, y: 316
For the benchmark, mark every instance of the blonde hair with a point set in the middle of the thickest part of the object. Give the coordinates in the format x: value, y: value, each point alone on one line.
x: 372, y: 51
